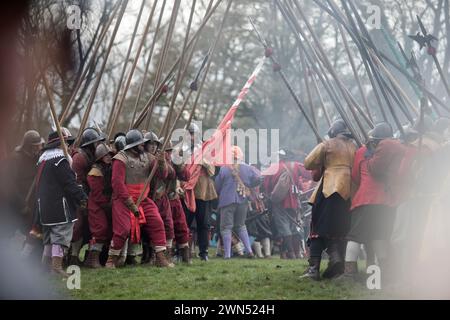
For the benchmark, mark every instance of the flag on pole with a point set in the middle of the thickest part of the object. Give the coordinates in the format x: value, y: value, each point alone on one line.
x: 216, y: 150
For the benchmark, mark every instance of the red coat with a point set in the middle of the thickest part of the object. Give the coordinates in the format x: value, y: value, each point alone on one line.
x: 272, y: 174
x: 370, y: 191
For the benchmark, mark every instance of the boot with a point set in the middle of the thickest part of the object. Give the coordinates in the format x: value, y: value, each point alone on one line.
x: 93, y: 260
x: 131, y: 261
x: 313, y: 271
x: 257, y: 249
x: 350, y: 271
x: 335, y: 263
x: 185, y: 254
x: 161, y: 260
x: 74, y: 260
x: 57, y: 266
x: 112, y: 262
x: 266, y: 247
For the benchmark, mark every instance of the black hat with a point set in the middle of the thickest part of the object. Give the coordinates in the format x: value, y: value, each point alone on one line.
x: 53, y: 140
x: 90, y: 136
x: 382, y: 130
x: 134, y: 138
x: 338, y: 127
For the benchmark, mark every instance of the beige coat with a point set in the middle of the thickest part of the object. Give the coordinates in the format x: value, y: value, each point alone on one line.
x: 205, y: 189
x: 335, y: 158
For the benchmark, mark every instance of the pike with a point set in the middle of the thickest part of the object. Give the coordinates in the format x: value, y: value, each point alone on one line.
x: 381, y: 83
x: 147, y: 64
x: 99, y: 77
x: 125, y: 64
x: 325, y: 61
x: 145, y: 110
x: 211, y: 52
x: 89, y: 65
x: 112, y: 125
x: 308, y: 89
x: 321, y: 75
x: 411, y: 63
x: 335, y: 14
x: 166, y: 141
x: 322, y: 104
x: 181, y: 71
x: 277, y: 68
x: 425, y: 40
x: 355, y: 72
x: 163, y: 58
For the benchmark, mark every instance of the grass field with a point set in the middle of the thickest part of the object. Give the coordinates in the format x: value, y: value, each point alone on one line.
x: 217, y: 279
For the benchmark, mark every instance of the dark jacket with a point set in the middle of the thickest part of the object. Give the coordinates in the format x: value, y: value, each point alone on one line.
x: 58, y: 194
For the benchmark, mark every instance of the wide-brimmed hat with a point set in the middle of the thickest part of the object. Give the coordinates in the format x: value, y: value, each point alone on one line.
x: 30, y: 138
x: 54, y: 141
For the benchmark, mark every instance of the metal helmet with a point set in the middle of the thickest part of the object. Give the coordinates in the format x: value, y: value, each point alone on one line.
x: 90, y: 136
x: 151, y: 137
x: 441, y: 124
x: 69, y: 137
x: 120, y: 142
x: 382, y: 130
x: 193, y: 128
x: 169, y: 145
x: 338, y: 127
x: 101, y: 151
x: 134, y: 138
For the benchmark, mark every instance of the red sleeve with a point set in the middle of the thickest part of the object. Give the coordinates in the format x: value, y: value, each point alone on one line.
x: 96, y: 186
x: 381, y: 159
x: 118, y: 180
x: 356, y: 169
x: 79, y: 166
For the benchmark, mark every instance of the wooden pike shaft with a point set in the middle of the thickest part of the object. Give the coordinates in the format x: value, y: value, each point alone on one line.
x: 322, y: 104
x: 141, y: 116
x: 99, y: 77
x: 89, y: 64
x: 147, y: 64
x: 125, y: 64
x: 130, y: 75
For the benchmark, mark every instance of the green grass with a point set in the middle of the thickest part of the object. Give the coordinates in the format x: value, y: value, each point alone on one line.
x: 217, y: 279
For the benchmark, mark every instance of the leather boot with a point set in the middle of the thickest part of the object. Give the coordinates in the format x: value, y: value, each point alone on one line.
x: 131, y: 261
x: 93, y: 260
x: 350, y: 271
x: 185, y: 254
x: 74, y: 260
x: 57, y: 266
x: 112, y: 262
x: 313, y: 271
x: 335, y: 263
x: 161, y: 260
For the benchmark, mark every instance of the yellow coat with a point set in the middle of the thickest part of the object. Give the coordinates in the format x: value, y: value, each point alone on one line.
x: 335, y: 158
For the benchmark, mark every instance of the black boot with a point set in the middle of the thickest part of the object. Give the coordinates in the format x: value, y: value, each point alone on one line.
x: 313, y: 271
x: 335, y: 263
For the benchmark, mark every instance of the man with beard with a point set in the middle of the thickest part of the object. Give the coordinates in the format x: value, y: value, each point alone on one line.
x: 131, y: 167
x: 99, y: 204
x: 83, y: 159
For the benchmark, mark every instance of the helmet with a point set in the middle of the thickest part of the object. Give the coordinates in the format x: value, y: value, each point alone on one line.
x: 382, y: 130
x: 30, y: 138
x: 90, y: 136
x: 193, y: 128
x: 338, y: 127
x: 134, y: 138
x: 151, y: 137
x: 120, y: 142
x: 101, y: 151
x: 169, y: 145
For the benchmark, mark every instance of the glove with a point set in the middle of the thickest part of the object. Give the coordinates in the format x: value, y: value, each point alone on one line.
x: 133, y: 207
x: 83, y: 204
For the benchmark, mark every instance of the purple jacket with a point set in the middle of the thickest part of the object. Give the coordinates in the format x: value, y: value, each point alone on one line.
x: 226, y: 186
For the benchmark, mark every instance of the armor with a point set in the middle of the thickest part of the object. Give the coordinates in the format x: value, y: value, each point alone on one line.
x: 137, y: 167
x: 90, y: 136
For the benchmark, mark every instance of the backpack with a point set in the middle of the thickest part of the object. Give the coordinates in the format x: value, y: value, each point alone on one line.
x: 283, y: 186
